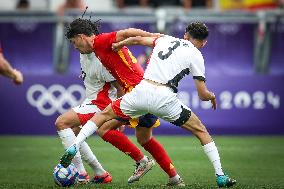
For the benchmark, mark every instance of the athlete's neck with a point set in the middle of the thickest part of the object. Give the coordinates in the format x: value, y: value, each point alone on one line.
x: 90, y: 41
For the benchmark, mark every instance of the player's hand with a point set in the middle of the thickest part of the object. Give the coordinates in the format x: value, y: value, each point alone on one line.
x: 213, y: 101
x: 18, y: 79
x: 116, y: 46
x: 158, y: 34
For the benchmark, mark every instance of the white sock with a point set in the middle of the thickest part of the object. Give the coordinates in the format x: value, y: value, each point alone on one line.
x: 143, y: 160
x: 79, y: 163
x: 87, y: 130
x: 174, y: 179
x: 211, y: 151
x: 91, y: 159
x: 67, y: 137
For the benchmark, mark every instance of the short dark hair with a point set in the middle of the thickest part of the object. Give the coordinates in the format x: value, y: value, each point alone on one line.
x: 82, y: 26
x: 197, y: 30
x: 23, y: 4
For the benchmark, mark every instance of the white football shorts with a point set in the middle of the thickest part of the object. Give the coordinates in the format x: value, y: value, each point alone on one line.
x: 86, y: 110
x: 149, y: 98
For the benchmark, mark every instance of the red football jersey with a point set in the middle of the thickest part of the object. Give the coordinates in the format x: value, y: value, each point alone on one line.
x: 122, y: 64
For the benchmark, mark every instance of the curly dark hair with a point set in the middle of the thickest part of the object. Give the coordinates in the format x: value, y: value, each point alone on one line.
x: 82, y: 26
x: 197, y: 30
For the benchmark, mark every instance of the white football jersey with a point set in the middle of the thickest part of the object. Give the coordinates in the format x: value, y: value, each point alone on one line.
x: 95, y: 77
x: 173, y: 58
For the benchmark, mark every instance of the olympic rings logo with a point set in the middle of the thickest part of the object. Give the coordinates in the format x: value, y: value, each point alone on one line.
x: 55, y: 98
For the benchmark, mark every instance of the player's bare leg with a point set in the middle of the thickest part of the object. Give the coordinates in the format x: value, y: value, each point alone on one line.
x: 150, y: 144
x: 194, y: 125
x: 64, y: 124
x: 109, y: 125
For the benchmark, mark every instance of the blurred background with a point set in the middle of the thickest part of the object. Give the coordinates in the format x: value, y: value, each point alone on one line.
x: 244, y: 59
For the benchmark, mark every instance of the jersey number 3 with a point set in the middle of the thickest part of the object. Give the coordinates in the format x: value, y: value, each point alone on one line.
x: 163, y: 56
x: 83, y: 75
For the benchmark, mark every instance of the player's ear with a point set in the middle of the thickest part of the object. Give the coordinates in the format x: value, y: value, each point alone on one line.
x: 186, y: 36
x: 204, y: 42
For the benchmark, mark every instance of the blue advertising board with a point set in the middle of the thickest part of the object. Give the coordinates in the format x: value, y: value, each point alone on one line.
x: 246, y: 105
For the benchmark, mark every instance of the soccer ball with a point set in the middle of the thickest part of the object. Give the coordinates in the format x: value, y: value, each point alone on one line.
x: 65, y: 176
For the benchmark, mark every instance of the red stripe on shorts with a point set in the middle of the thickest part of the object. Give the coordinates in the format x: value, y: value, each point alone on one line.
x: 154, y: 42
x: 115, y: 105
x: 103, y: 99
x: 85, y: 117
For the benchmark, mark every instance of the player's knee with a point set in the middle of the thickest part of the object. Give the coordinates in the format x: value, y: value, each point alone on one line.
x: 195, y: 126
x: 76, y: 130
x: 143, y: 138
x: 141, y: 141
x: 61, y: 123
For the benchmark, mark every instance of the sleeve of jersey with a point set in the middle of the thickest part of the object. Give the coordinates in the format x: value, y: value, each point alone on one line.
x: 198, y: 70
x: 155, y: 41
x: 107, y: 76
x: 105, y: 40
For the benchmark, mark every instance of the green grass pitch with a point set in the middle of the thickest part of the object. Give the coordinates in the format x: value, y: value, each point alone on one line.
x: 256, y: 162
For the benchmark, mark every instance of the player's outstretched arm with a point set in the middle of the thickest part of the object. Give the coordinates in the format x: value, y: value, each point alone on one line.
x: 7, y: 70
x: 204, y: 94
x: 133, y: 32
x: 145, y: 41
